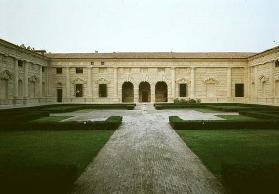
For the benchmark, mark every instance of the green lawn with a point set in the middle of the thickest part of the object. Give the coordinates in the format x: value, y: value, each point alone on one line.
x: 51, y: 119
x: 46, y: 161
x: 206, y: 110
x: 239, y: 154
x: 237, y: 117
x: 84, y: 110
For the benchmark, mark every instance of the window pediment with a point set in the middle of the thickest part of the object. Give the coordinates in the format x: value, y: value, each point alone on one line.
x: 33, y: 78
x: 211, y: 80
x: 183, y: 81
x: 78, y: 81
x: 263, y: 78
x: 102, y: 81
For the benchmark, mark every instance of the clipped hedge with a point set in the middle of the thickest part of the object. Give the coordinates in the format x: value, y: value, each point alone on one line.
x: 261, y: 115
x: 112, y: 123
x: 180, y: 124
x: 250, y: 178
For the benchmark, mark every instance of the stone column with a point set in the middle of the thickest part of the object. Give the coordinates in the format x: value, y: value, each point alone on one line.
x: 89, y: 82
x: 272, y: 81
x: 40, y: 81
x: 173, y: 82
x: 26, y: 71
x: 229, y: 82
x: 16, y: 78
x: 192, y: 82
x: 68, y: 83
x: 115, y: 85
x: 152, y: 93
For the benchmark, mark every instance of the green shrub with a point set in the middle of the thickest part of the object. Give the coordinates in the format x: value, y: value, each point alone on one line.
x: 179, y: 124
x: 112, y: 123
x: 186, y: 101
x: 249, y: 178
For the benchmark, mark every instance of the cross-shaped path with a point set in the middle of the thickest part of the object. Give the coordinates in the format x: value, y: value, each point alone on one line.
x: 146, y: 156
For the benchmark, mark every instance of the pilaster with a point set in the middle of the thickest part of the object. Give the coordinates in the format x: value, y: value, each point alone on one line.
x: 40, y: 81
x: 229, y: 82
x: 152, y: 93
x: 173, y: 82
x: 115, y: 85
x: 89, y: 82
x: 15, y: 78
x: 192, y: 82
x: 26, y: 72
x: 68, y: 84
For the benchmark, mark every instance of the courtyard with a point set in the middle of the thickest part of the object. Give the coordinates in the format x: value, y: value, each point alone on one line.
x: 144, y: 155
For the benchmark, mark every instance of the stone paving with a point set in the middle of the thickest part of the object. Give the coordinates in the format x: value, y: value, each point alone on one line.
x: 146, y: 156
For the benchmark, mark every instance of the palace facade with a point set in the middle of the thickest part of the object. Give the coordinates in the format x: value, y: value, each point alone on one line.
x: 36, y: 77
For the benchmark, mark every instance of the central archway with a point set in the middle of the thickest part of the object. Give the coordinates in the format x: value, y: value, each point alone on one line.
x: 127, y: 92
x: 144, y: 92
x: 161, y: 92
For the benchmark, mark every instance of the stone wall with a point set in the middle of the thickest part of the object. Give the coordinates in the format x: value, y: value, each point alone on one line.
x: 31, y: 78
x: 264, y: 78
x: 22, y: 76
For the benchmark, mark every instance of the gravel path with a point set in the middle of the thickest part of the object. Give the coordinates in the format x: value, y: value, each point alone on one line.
x: 146, y: 156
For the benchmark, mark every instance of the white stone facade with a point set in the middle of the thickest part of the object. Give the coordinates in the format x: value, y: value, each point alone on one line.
x: 31, y: 78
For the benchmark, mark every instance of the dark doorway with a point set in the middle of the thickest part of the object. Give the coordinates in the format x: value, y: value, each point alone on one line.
x: 239, y: 90
x: 144, y: 92
x: 144, y: 97
x: 127, y: 92
x: 59, y: 95
x: 161, y: 92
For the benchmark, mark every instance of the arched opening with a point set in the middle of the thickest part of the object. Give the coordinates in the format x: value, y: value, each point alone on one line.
x: 144, y: 92
x: 161, y: 92
x: 4, y: 89
x: 20, y: 88
x: 127, y: 92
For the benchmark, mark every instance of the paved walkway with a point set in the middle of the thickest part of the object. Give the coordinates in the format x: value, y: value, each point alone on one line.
x: 146, y: 156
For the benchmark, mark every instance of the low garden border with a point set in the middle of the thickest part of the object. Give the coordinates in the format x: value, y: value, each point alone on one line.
x: 179, y: 124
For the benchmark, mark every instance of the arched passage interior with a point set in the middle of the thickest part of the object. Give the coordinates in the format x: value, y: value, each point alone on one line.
x: 161, y: 92
x: 144, y: 92
x: 127, y: 92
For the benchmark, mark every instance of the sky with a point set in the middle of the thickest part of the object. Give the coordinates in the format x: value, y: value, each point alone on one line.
x: 141, y: 25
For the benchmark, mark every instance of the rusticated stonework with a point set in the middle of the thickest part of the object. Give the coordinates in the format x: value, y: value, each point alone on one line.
x: 29, y: 77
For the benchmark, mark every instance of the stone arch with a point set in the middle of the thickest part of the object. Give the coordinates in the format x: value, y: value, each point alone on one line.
x: 127, y: 92
x: 144, y: 92
x: 161, y: 92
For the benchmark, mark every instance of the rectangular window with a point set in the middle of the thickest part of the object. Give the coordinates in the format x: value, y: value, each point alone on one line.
x: 20, y: 63
x: 103, y: 90
x: 58, y: 70
x: 43, y: 69
x: 239, y: 90
x: 182, y: 90
x: 79, y: 90
x: 79, y: 70
x: 92, y: 62
x: 102, y: 63
x: 277, y: 63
